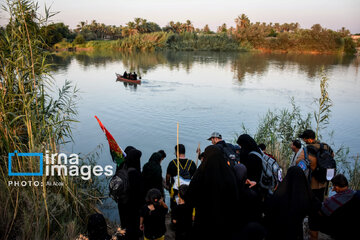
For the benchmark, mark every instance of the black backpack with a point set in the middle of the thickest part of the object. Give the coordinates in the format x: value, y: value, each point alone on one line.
x: 325, y: 161
x: 184, y: 171
x: 119, y: 186
x: 230, y: 154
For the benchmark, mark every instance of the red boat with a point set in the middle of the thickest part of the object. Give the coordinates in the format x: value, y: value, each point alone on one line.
x: 120, y: 78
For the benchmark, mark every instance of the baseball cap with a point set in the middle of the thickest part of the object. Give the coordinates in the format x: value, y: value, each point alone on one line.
x: 215, y: 135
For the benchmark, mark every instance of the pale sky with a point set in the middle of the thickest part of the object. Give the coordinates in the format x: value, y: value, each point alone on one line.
x: 332, y: 14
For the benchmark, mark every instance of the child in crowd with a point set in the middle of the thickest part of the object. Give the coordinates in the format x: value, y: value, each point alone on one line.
x: 182, y: 216
x: 152, y: 216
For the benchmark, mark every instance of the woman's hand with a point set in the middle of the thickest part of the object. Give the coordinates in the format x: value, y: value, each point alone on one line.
x: 251, y: 183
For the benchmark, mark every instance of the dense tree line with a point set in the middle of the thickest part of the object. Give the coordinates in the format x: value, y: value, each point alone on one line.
x: 247, y: 35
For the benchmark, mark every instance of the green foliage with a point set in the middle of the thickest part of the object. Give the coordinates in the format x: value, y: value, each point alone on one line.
x: 32, y: 120
x: 79, y: 39
x: 349, y: 46
x: 353, y: 171
x: 246, y: 35
x: 202, y: 42
x: 54, y: 33
x: 324, y: 104
x: 278, y: 128
x: 147, y: 41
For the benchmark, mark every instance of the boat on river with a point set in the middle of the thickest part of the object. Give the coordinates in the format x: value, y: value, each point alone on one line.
x: 122, y: 79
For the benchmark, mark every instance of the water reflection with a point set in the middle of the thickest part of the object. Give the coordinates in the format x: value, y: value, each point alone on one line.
x: 242, y: 64
x: 132, y: 86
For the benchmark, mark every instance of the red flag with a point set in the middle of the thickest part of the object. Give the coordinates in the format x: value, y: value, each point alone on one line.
x: 117, y: 154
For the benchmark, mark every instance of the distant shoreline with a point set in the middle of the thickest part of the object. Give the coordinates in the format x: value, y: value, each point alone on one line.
x: 261, y: 50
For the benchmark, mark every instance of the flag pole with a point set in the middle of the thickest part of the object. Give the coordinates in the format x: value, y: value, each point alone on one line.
x: 177, y: 154
x: 198, y: 154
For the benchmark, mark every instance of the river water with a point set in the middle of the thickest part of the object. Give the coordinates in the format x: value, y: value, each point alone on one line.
x: 203, y: 92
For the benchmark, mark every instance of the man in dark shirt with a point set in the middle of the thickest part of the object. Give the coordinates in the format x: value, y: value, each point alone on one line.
x: 186, y: 167
x: 228, y: 149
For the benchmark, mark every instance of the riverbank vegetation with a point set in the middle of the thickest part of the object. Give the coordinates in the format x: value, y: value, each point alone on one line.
x: 246, y: 35
x: 277, y: 128
x: 32, y: 120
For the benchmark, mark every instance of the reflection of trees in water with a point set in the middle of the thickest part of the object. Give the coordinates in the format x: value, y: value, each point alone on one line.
x: 142, y: 62
x: 241, y: 63
x: 309, y: 63
x: 258, y: 63
x: 186, y: 60
x: 59, y: 62
x: 249, y: 63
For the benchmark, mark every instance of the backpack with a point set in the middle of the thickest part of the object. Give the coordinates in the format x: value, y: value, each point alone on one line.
x: 119, y: 186
x: 325, y: 161
x: 230, y: 155
x: 184, y: 173
x: 271, y: 173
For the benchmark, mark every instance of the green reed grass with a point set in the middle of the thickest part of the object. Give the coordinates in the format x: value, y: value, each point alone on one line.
x: 32, y: 120
x: 280, y: 126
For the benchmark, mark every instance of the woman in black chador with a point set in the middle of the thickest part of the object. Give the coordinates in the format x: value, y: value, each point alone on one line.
x: 214, y: 194
x: 252, y: 162
x: 129, y: 211
x: 287, y: 208
x: 152, y: 173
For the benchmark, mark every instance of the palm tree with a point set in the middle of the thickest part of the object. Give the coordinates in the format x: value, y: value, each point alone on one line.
x: 242, y: 22
x: 189, y: 27
x: 80, y: 26
x: 206, y: 29
x: 131, y: 27
x: 222, y: 28
x: 137, y: 22
x: 144, y: 27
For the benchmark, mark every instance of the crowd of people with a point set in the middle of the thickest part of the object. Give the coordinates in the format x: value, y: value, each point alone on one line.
x: 222, y: 198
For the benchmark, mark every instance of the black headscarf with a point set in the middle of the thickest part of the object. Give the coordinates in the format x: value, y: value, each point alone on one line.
x: 133, y: 159
x: 124, y: 164
x: 247, y: 144
x: 128, y: 149
x: 97, y: 227
x: 240, y: 174
x: 252, y: 162
x: 152, y: 173
x: 214, y: 194
x: 289, y: 205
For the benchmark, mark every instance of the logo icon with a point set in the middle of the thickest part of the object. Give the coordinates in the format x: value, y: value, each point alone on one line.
x: 40, y: 155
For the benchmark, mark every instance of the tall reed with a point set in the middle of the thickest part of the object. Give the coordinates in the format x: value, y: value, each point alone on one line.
x: 278, y: 127
x: 34, y: 121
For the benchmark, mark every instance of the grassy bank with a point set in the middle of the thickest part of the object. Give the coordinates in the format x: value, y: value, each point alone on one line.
x: 160, y: 41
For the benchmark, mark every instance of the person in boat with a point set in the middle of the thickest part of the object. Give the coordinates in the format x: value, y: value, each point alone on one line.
x: 131, y: 76
x: 125, y: 75
x: 135, y: 76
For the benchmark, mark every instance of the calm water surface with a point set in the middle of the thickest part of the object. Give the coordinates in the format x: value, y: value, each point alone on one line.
x: 203, y: 92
